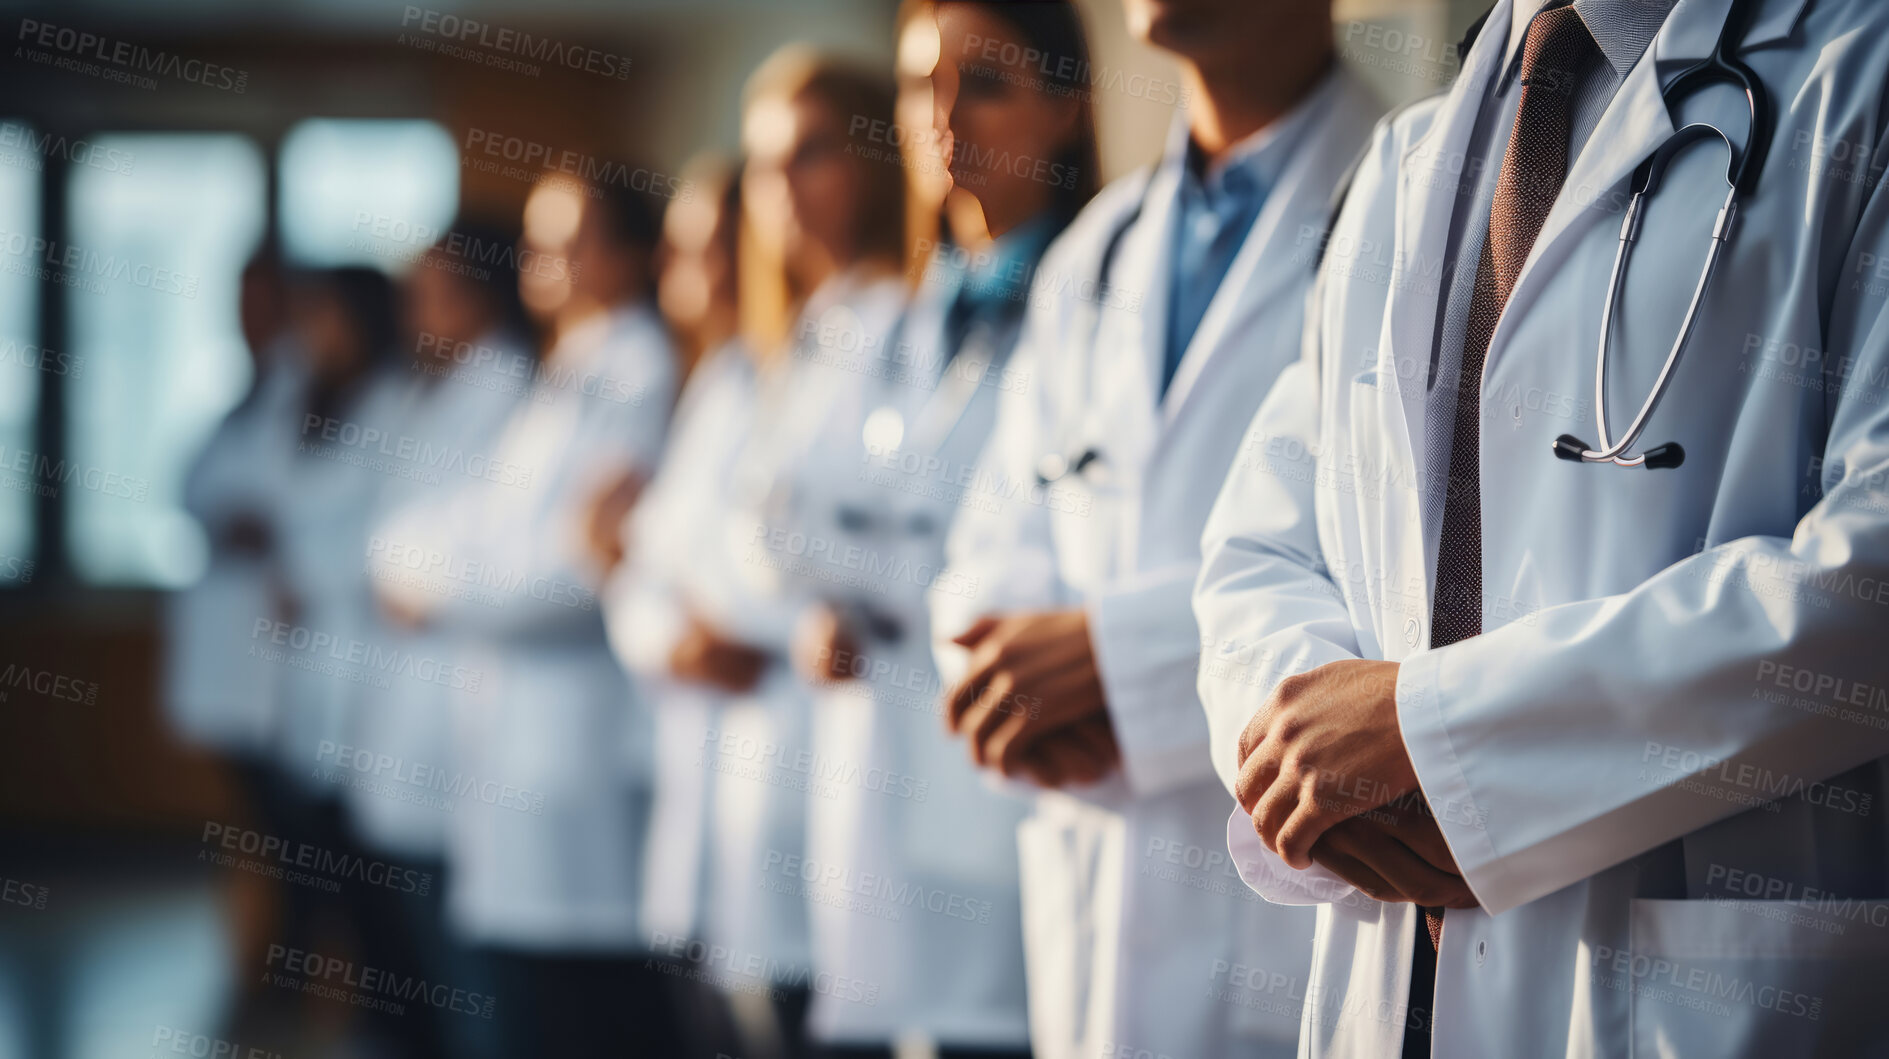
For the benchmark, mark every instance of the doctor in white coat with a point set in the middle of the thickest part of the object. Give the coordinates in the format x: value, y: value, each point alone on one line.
x: 1637, y: 779
x: 346, y: 320
x: 826, y: 228
x: 670, y: 556
x: 914, y: 881
x: 672, y: 573
x: 217, y: 693
x: 466, y: 370
x: 1159, y: 321
x: 545, y: 848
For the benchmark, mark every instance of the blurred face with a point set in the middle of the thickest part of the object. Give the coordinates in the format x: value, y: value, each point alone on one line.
x: 1004, y: 124
x: 437, y: 303
x: 327, y: 334
x: 916, y: 110
x: 544, y: 273
x: 1206, y: 30
x: 603, y: 270
x: 697, y: 280
x: 803, y: 185
x: 260, y: 310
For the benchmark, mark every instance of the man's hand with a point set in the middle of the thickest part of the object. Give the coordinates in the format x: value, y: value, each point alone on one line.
x: 1029, y: 675
x: 1080, y: 754
x: 824, y: 646
x: 1324, y: 747
x: 705, y: 656
x: 1395, y: 857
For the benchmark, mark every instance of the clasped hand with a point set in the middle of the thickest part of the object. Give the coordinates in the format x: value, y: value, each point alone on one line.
x: 1325, y: 775
x: 1030, y: 702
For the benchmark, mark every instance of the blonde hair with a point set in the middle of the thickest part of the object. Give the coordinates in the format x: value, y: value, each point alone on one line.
x: 861, y: 98
x: 924, y: 223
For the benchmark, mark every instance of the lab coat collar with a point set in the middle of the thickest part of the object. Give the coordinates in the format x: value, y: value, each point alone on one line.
x: 1621, y: 48
x: 1430, y: 175
x: 1691, y: 42
x: 1294, y: 194
x: 1244, y: 284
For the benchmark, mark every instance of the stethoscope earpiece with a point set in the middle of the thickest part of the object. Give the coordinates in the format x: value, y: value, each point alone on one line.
x: 1659, y: 457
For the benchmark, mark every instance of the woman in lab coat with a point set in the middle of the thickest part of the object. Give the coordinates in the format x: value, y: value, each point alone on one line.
x: 917, y: 890
x: 674, y: 576
x: 319, y: 639
x: 1659, y: 768
x: 468, y: 363
x: 217, y: 693
x: 545, y: 859
x: 819, y: 280
x: 345, y: 319
x: 1138, y: 937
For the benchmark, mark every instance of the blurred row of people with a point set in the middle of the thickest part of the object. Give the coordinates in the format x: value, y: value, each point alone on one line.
x: 673, y: 687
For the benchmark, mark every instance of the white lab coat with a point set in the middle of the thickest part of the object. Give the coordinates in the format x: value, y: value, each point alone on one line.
x: 674, y: 560
x: 325, y: 653
x: 217, y: 692
x: 1137, y: 934
x: 396, y: 761
x: 552, y: 863
x: 767, y: 769
x: 912, y: 875
x: 1635, y: 621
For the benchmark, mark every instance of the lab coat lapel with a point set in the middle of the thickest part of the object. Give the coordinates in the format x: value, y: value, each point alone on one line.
x: 1430, y: 176
x: 1304, y: 189
x: 1130, y: 344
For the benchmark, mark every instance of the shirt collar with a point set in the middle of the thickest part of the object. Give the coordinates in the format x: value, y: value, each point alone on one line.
x: 1262, y: 155
x: 1622, y: 28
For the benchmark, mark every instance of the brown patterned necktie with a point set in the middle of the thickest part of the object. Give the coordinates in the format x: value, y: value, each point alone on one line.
x: 1558, y: 55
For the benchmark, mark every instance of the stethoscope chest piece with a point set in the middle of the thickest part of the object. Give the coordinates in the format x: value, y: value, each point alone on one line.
x: 1053, y: 467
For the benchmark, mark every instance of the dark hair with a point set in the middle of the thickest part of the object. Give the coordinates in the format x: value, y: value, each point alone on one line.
x: 367, y: 296
x: 1053, y: 29
x: 630, y: 217
x: 489, y: 256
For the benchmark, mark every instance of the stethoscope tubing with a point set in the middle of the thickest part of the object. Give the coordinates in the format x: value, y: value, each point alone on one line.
x: 1741, y: 174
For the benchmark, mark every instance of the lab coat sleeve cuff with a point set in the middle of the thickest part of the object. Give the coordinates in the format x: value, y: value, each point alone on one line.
x: 1147, y: 654
x: 1422, y: 691
x: 1275, y: 880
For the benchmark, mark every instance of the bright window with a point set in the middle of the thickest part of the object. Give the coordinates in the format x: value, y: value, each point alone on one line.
x: 366, y: 192
x: 21, y: 359
x: 150, y: 281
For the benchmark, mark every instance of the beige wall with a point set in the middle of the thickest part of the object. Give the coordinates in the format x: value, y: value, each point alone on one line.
x: 708, y: 47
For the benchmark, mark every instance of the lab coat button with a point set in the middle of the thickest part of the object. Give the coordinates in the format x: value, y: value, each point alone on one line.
x: 1482, y: 952
x: 1412, y: 630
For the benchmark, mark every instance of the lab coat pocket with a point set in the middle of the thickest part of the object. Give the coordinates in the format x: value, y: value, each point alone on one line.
x: 1756, y: 978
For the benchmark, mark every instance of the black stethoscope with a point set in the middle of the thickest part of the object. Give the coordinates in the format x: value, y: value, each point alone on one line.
x: 1741, y: 179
